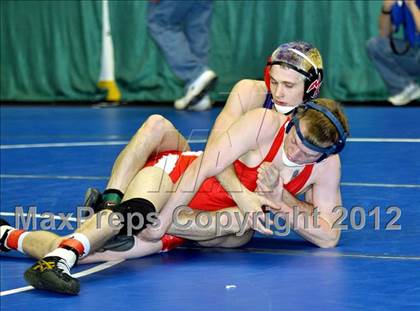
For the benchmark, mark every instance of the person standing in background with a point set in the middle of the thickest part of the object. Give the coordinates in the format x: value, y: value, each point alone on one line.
x: 181, y: 30
x: 398, y: 68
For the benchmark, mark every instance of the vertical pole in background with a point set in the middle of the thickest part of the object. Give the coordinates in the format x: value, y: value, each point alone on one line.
x: 107, y: 77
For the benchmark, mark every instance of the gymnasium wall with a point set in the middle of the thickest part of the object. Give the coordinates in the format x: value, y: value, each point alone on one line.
x: 51, y: 50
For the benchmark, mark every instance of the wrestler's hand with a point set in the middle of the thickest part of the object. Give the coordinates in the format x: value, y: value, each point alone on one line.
x: 270, y: 183
x: 251, y: 205
x: 259, y: 222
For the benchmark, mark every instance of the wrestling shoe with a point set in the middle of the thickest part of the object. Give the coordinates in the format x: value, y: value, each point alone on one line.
x: 52, y: 274
x: 411, y: 92
x: 95, y: 200
x: 197, y: 89
x: 3, y: 234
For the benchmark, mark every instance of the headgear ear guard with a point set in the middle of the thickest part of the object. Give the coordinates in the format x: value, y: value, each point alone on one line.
x: 326, y: 151
x: 303, y: 58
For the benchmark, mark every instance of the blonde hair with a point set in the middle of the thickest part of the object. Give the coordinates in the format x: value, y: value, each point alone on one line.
x: 320, y: 131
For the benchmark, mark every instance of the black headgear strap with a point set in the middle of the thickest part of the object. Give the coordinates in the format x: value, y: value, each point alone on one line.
x: 326, y: 151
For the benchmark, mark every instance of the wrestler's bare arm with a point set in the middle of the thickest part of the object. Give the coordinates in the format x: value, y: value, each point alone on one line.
x: 321, y: 197
x: 326, y: 196
x: 246, y: 95
x: 248, y: 133
x: 188, y: 224
x: 290, y: 200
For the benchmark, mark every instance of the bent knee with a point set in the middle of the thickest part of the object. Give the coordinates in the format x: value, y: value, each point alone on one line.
x: 152, y: 126
x: 229, y: 241
x: 155, y: 121
x: 234, y: 241
x: 216, y: 242
x: 376, y: 45
x: 371, y: 45
x: 155, y: 24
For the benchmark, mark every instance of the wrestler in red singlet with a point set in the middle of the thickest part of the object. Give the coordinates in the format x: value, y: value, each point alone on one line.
x: 211, y: 196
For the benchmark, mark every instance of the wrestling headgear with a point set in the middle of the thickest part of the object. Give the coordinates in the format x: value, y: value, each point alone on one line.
x: 303, y: 58
x: 326, y: 151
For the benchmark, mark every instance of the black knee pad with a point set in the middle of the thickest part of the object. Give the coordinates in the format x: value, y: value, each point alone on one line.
x: 138, y: 210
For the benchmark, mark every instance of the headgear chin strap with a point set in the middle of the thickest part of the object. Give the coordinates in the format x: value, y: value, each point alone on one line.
x: 326, y: 151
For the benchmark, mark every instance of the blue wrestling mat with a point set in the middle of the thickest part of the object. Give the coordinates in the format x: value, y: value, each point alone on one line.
x: 50, y: 155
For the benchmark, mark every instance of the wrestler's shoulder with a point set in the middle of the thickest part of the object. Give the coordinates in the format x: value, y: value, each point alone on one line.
x: 331, y: 165
x: 265, y: 121
x: 251, y: 86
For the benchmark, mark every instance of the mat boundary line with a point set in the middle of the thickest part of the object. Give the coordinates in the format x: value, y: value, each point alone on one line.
x: 80, y: 274
x: 191, y: 141
x: 76, y: 177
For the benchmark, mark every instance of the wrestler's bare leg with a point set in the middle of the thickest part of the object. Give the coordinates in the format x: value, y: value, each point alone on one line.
x: 151, y: 183
x: 222, y: 235
x: 229, y: 241
x: 141, y: 248
x: 155, y: 185
x: 39, y: 243
x: 155, y: 135
x: 97, y: 229
x: 222, y: 232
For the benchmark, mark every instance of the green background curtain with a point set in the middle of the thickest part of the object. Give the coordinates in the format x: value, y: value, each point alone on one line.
x: 51, y: 50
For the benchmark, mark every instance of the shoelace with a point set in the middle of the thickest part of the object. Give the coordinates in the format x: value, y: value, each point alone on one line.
x: 49, y: 265
x: 43, y: 265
